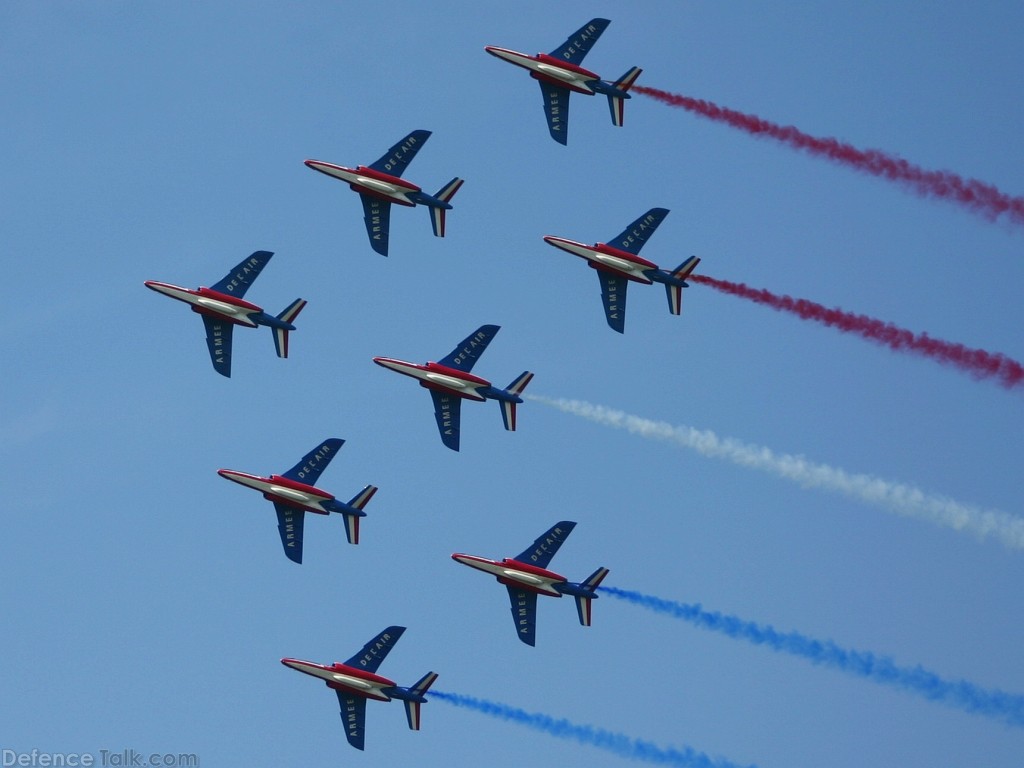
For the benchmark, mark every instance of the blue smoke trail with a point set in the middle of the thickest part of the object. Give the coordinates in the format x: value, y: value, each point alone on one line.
x: 996, y: 704
x: 617, y: 743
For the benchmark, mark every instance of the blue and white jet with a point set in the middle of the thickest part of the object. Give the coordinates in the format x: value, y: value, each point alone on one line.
x: 450, y: 382
x: 356, y: 680
x: 619, y: 261
x: 526, y: 575
x: 560, y: 74
x: 294, y: 493
x: 222, y: 309
x: 380, y: 184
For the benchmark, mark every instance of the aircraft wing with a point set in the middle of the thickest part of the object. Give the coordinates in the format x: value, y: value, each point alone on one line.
x: 397, y: 159
x: 556, y: 110
x: 218, y: 341
x: 313, y: 463
x: 613, y: 296
x: 447, y: 412
x: 374, y: 652
x: 581, y: 41
x: 464, y: 356
x: 377, y: 218
x: 524, y: 613
x: 237, y: 281
x: 353, y: 717
x: 289, y: 525
x: 636, y: 234
x: 544, y: 548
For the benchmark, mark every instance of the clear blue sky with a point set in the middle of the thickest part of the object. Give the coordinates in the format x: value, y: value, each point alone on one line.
x: 146, y: 602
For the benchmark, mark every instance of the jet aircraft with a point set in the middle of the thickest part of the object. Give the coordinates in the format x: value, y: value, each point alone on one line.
x: 222, y: 309
x: 560, y: 74
x: 526, y: 576
x: 619, y: 262
x: 356, y: 680
x: 294, y: 494
x: 450, y: 382
x: 380, y: 184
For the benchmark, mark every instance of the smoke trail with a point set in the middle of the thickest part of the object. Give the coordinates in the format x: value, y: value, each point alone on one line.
x: 896, y: 497
x: 616, y: 743
x: 977, y: 362
x: 962, y: 694
x: 976, y: 196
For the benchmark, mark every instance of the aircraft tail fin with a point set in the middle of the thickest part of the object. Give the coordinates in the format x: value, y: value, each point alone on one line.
x: 674, y: 289
x: 508, y: 407
x: 412, y: 705
x: 445, y: 194
x: 352, y: 520
x: 280, y: 334
x: 583, y: 606
x: 617, y: 102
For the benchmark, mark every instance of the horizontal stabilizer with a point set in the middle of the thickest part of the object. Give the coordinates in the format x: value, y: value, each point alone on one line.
x: 508, y: 407
x: 517, y: 386
x: 412, y: 714
x: 683, y: 270
x: 583, y: 602
x: 281, y: 334
x: 508, y: 415
x: 675, y: 298
x: 437, y: 214
x: 352, y: 520
x: 674, y: 289
x: 617, y: 103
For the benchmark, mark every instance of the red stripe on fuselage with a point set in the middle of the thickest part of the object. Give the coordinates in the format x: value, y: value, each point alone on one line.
x: 545, y: 58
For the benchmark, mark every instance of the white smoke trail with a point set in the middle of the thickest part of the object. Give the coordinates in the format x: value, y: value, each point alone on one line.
x: 900, y: 498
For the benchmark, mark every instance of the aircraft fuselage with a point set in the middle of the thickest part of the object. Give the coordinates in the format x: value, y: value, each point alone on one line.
x: 368, y: 181
x: 283, y: 490
x: 549, y: 69
x: 207, y: 301
x: 345, y: 678
x: 513, y: 573
x: 607, y: 257
x: 439, y: 377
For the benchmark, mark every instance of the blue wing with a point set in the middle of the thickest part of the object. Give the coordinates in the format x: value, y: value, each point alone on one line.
x: 218, y: 341
x: 374, y: 652
x: 448, y: 413
x: 613, y: 296
x: 353, y: 717
x: 313, y: 463
x: 464, y: 356
x: 289, y: 526
x: 581, y: 41
x: 556, y: 110
x: 636, y: 234
x: 524, y: 613
x: 397, y: 159
x: 377, y: 217
x: 237, y: 281
x: 544, y: 548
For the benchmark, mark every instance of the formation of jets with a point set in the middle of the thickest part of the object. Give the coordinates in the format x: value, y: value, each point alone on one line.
x: 449, y: 380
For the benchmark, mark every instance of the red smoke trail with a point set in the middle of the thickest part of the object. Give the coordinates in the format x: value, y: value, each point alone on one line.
x: 977, y: 362
x: 975, y: 195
